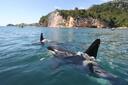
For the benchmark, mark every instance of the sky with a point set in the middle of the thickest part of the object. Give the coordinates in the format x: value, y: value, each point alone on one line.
x: 30, y: 11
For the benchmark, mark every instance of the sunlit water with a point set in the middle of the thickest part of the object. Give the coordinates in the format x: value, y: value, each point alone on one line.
x: 25, y: 62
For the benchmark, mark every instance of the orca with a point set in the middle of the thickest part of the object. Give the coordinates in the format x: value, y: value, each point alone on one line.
x: 86, y: 59
x: 42, y: 39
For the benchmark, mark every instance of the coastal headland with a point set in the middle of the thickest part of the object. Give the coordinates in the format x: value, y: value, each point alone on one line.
x: 112, y: 14
x: 107, y: 15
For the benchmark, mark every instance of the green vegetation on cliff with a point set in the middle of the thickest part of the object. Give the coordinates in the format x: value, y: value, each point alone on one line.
x: 114, y: 13
x: 44, y: 21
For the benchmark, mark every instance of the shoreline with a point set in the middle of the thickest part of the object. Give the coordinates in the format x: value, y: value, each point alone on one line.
x: 70, y: 27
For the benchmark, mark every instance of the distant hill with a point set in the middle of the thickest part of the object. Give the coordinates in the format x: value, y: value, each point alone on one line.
x: 110, y: 14
x: 23, y: 24
x: 10, y: 25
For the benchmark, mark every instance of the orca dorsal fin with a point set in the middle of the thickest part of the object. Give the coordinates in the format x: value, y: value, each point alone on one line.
x: 41, y: 37
x: 93, y: 49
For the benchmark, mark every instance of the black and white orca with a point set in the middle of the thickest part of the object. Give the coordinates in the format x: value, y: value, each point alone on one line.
x: 86, y: 59
x: 45, y: 41
x: 42, y: 39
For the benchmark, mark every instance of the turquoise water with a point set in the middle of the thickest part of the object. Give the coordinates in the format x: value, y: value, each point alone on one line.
x: 25, y: 62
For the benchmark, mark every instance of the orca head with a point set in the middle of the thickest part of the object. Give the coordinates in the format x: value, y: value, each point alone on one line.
x: 50, y: 48
x: 60, y: 52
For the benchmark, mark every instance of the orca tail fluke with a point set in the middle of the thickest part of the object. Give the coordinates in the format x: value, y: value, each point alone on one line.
x: 93, y: 49
x: 41, y: 37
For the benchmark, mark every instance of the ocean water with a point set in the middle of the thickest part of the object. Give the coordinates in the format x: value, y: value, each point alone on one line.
x: 24, y: 61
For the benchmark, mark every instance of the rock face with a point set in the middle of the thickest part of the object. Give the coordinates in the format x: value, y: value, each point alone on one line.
x: 70, y: 22
x: 90, y: 22
x: 106, y: 15
x: 56, y: 20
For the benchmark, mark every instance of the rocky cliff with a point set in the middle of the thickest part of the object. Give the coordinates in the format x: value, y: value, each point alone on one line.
x: 110, y: 14
x: 56, y: 20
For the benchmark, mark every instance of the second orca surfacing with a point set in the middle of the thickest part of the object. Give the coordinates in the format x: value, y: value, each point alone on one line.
x: 86, y: 59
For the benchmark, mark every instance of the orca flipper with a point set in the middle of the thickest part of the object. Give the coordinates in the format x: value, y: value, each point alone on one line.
x: 93, y: 49
x: 41, y: 37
